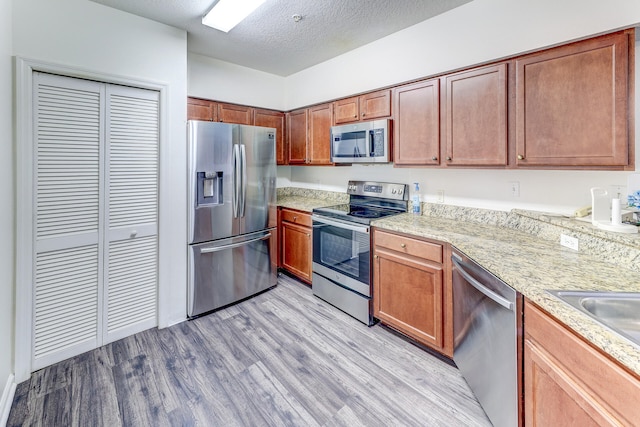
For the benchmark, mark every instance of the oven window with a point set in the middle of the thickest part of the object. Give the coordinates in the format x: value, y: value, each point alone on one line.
x: 345, y: 251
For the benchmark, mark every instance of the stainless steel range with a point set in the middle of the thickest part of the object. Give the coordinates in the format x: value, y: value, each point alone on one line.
x: 342, y: 241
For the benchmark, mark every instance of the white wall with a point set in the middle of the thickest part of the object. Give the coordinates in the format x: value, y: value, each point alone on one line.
x: 214, y: 79
x: 476, y: 32
x: 88, y: 36
x: 7, y: 196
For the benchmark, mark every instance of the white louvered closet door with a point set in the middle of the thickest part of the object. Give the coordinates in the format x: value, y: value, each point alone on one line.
x: 132, y: 219
x: 68, y: 240
x: 95, y: 222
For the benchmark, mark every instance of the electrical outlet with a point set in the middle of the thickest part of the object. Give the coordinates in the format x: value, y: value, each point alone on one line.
x: 514, y: 186
x: 440, y: 196
x: 569, y: 242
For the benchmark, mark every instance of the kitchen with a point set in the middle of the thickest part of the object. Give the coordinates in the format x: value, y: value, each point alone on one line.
x: 84, y: 35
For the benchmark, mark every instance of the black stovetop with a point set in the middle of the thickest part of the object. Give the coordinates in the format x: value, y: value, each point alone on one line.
x: 362, y: 214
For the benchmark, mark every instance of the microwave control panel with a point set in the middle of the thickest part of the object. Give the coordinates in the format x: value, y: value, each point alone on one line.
x: 377, y: 146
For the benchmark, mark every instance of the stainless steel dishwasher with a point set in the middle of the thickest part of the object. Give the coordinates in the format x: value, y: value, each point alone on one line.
x: 487, y: 325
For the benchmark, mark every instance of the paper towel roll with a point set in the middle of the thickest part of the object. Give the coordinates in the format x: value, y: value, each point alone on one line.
x: 616, y: 214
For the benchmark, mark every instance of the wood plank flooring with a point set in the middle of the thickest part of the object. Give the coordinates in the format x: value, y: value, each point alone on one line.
x: 282, y: 358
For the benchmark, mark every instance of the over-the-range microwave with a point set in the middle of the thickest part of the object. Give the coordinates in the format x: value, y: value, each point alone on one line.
x: 363, y: 142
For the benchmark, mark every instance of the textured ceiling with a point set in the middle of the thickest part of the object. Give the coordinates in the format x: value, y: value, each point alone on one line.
x: 271, y: 41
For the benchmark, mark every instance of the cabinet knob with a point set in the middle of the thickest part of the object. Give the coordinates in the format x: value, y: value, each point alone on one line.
x: 403, y: 245
x: 448, y: 157
x: 133, y: 233
x: 520, y: 157
x: 295, y: 218
x: 434, y: 158
x: 308, y: 234
x: 375, y: 256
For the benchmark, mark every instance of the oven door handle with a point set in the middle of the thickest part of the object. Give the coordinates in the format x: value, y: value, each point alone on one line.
x: 341, y: 224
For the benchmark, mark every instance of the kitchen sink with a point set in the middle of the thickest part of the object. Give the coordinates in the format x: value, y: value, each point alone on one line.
x: 619, y: 311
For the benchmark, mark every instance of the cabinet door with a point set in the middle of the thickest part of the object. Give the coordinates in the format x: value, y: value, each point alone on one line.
x: 346, y: 110
x: 572, y: 104
x: 375, y: 105
x: 201, y: 109
x: 273, y: 119
x: 568, y: 382
x: 297, y: 136
x: 237, y: 114
x: 320, y: 118
x: 416, y: 130
x: 408, y: 295
x: 475, y: 116
x: 296, y: 250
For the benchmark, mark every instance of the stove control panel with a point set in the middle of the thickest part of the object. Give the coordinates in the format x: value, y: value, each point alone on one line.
x: 385, y: 190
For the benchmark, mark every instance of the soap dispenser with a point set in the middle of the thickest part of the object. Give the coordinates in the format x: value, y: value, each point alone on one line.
x: 415, y: 199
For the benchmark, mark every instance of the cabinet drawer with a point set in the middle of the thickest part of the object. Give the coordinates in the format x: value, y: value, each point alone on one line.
x: 409, y: 246
x: 296, y: 217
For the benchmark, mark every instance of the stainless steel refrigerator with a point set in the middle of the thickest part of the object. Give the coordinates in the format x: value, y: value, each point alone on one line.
x: 232, y: 215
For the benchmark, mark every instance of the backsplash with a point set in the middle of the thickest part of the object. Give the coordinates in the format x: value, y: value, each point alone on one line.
x: 334, y: 197
x: 614, y: 248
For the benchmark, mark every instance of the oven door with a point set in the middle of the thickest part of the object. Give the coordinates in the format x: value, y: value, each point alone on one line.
x: 341, y: 253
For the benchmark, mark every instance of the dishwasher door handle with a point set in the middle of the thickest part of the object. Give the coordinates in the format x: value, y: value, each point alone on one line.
x: 480, y: 287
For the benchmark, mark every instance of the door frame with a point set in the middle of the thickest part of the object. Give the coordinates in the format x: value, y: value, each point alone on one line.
x: 24, y: 161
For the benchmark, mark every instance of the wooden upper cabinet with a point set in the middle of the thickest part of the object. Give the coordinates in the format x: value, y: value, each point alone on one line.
x: 201, y: 109
x: 572, y: 104
x: 416, y: 130
x: 475, y: 117
x: 369, y: 106
x: 297, y: 122
x: 237, y: 114
x: 375, y: 105
x: 273, y: 119
x: 346, y: 110
x: 319, y: 138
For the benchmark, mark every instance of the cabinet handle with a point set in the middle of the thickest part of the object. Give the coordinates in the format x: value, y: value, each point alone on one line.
x: 295, y: 218
x: 448, y: 157
x: 434, y: 158
x: 403, y: 245
x: 520, y: 157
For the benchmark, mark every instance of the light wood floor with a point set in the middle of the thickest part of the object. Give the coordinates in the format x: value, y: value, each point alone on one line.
x: 282, y: 358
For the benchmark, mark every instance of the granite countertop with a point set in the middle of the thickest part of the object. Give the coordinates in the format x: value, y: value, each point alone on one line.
x: 527, y: 260
x: 532, y: 265
x: 306, y: 204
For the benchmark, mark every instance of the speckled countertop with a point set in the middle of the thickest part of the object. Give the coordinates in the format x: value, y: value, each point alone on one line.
x: 526, y: 258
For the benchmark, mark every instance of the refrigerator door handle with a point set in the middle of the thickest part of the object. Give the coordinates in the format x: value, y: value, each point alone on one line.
x: 234, y: 245
x: 237, y: 169
x: 243, y: 162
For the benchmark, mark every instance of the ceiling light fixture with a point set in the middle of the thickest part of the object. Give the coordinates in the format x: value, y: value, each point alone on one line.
x: 226, y: 14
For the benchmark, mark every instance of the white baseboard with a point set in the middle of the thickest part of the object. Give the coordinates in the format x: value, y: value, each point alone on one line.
x: 7, y: 399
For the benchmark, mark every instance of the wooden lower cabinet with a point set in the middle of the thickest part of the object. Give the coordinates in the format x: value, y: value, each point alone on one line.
x: 412, y: 288
x: 570, y: 383
x: 296, y: 243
